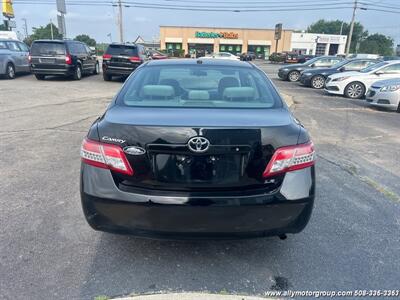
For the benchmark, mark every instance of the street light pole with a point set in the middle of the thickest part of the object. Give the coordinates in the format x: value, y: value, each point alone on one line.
x: 25, y: 27
x: 351, y: 28
x: 51, y: 29
x: 120, y: 22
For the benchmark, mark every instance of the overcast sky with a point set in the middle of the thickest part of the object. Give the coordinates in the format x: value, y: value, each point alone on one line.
x: 100, y: 21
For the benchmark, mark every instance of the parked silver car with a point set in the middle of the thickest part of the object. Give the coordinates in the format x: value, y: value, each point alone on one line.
x: 385, y: 93
x: 14, y: 58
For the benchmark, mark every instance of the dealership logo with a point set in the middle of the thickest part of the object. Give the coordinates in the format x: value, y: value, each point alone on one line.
x: 216, y: 35
x: 198, y: 144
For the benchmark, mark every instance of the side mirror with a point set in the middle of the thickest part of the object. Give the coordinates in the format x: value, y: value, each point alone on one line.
x: 379, y: 72
x: 312, y: 65
x: 342, y: 69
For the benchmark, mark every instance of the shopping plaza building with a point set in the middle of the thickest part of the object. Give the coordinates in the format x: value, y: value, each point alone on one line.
x: 206, y: 40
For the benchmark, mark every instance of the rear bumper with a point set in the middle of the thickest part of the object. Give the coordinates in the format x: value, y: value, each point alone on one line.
x: 118, y: 71
x: 107, y: 208
x: 67, y: 71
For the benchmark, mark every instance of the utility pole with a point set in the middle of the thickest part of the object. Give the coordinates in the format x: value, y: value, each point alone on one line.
x: 51, y: 29
x: 349, y: 37
x: 25, y: 27
x: 341, y: 28
x: 120, y: 22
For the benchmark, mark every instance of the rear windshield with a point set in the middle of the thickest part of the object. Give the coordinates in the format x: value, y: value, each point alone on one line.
x: 49, y: 48
x: 199, y: 86
x: 122, y: 50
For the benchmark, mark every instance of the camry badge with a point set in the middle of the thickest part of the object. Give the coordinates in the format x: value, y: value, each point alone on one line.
x: 198, y: 144
x: 134, y: 150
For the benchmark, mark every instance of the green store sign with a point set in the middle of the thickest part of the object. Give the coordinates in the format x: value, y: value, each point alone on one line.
x: 216, y: 35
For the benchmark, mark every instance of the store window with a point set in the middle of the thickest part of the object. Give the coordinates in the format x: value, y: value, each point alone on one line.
x: 260, y: 51
x: 174, y: 49
x: 234, y: 49
x: 199, y: 50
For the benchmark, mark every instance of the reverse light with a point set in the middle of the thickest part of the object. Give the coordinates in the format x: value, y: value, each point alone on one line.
x: 290, y: 158
x: 68, y: 59
x: 390, y: 88
x: 105, y: 156
x: 134, y: 58
x: 107, y: 57
x: 341, y: 78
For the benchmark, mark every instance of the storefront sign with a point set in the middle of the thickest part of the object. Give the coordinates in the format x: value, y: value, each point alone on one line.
x: 8, y: 10
x: 216, y: 35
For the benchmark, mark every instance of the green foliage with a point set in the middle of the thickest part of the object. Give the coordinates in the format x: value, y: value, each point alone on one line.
x: 3, y: 27
x: 333, y: 27
x: 84, y: 38
x: 377, y: 44
x: 43, y: 32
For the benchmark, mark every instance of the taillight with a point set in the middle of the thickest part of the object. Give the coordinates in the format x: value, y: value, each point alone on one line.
x: 30, y: 58
x: 291, y: 158
x: 105, y: 156
x: 107, y: 57
x: 68, y: 59
x: 134, y: 58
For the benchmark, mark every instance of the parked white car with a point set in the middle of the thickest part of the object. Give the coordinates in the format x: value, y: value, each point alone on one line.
x: 355, y: 84
x: 385, y: 93
x: 222, y: 55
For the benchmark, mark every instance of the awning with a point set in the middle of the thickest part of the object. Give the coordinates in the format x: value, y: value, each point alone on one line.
x: 259, y: 43
x: 230, y: 42
x: 200, y: 41
x: 173, y: 40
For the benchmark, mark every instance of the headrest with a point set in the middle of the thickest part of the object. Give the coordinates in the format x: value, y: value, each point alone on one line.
x: 198, y: 95
x: 239, y: 92
x: 158, y: 91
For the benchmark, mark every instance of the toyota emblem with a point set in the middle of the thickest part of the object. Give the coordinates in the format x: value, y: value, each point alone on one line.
x: 198, y: 144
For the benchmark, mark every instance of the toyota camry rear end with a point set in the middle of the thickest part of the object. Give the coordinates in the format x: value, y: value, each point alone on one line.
x: 197, y: 149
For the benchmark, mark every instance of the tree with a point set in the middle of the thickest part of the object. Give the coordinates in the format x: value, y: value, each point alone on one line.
x: 43, y: 32
x: 377, y: 44
x: 84, y: 38
x: 333, y: 27
x: 3, y: 27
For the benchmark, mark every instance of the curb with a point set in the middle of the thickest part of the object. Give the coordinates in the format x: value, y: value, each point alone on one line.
x: 191, y: 296
x: 288, y: 99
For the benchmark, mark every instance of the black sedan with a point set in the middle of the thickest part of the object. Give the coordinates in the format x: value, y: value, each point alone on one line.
x: 316, y: 77
x: 292, y: 72
x: 197, y: 149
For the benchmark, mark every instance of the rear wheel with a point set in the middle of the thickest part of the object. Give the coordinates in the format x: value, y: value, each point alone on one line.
x: 318, y: 82
x: 10, y: 71
x: 294, y: 76
x: 77, y: 73
x: 354, y: 90
x: 40, y: 76
x: 398, y: 108
x: 106, y: 77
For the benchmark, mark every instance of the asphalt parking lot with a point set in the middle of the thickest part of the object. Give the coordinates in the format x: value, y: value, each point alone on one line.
x: 47, y: 251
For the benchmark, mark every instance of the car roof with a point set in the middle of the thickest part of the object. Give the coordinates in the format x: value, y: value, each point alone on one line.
x: 51, y: 41
x: 195, y: 62
x: 9, y: 40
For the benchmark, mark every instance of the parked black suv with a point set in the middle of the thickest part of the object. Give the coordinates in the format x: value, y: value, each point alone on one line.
x: 62, y: 57
x: 122, y: 59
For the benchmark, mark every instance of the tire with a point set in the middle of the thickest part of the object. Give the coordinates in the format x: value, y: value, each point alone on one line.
x: 96, y: 70
x: 318, y: 82
x: 354, y: 90
x: 40, y: 76
x: 10, y: 71
x: 294, y: 76
x: 77, y: 73
x: 398, y: 108
x: 107, y: 77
